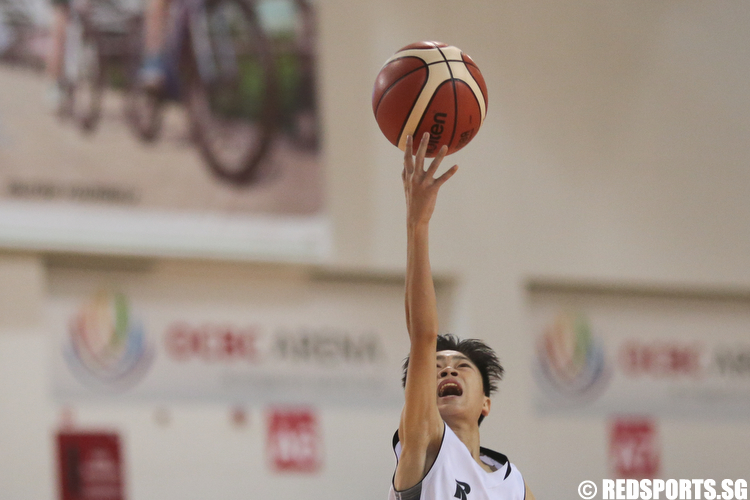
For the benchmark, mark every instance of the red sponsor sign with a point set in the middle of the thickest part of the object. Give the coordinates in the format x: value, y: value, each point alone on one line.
x: 633, y: 448
x: 294, y: 443
x: 212, y: 343
x: 89, y: 466
x: 662, y: 359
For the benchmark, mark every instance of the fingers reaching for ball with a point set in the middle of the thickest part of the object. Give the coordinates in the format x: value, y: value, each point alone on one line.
x: 408, y: 155
x: 421, y: 151
x: 420, y: 185
x: 436, y: 161
x: 416, y: 163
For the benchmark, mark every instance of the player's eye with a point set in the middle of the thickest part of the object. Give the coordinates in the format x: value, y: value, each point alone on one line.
x: 464, y: 365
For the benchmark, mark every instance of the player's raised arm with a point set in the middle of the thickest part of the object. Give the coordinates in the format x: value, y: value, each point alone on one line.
x: 421, y: 427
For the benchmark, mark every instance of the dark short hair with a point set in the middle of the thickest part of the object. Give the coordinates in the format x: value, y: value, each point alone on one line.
x: 478, y: 352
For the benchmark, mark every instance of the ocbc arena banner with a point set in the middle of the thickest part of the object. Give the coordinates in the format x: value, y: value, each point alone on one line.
x: 655, y: 354
x: 301, y: 342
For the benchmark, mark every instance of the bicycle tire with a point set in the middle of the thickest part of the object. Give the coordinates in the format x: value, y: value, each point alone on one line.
x: 234, y: 138
x: 84, y: 74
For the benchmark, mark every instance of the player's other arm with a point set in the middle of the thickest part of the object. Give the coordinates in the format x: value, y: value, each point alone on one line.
x: 421, y: 428
x: 529, y: 494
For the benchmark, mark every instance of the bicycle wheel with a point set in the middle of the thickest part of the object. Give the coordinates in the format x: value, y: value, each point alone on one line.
x: 83, y: 73
x: 231, y: 90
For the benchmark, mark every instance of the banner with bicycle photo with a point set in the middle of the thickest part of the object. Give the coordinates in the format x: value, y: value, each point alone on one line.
x: 161, y: 127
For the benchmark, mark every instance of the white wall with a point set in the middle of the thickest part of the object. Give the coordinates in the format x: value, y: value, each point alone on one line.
x: 614, y: 152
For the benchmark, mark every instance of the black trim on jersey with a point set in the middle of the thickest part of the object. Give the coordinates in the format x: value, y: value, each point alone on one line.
x: 409, y: 492
x: 497, y: 457
x: 413, y: 493
x: 494, y: 455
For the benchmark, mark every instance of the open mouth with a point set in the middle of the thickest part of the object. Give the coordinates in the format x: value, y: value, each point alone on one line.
x: 449, y: 389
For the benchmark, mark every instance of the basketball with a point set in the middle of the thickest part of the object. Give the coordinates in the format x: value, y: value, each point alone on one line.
x: 430, y: 87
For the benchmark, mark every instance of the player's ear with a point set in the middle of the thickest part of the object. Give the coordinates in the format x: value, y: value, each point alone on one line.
x: 486, y: 406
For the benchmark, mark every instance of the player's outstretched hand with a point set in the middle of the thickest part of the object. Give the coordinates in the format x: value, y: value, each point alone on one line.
x: 420, y: 185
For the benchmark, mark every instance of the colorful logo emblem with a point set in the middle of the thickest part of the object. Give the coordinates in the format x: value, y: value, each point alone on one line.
x: 107, y: 345
x: 571, y: 364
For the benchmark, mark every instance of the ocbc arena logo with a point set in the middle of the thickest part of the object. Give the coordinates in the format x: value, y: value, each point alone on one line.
x: 106, y: 344
x: 255, y: 345
x: 570, y: 362
x: 682, y: 359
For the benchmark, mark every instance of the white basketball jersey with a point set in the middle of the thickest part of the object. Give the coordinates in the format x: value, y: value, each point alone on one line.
x: 455, y: 475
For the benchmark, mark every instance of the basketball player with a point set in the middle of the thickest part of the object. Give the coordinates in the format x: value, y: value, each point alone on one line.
x: 437, y: 443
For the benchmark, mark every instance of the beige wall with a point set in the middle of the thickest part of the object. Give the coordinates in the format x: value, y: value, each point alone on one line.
x: 615, y: 151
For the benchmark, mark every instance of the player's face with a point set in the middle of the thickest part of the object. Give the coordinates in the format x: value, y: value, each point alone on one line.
x: 460, y: 390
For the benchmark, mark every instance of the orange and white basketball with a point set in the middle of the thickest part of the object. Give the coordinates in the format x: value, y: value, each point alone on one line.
x: 430, y: 87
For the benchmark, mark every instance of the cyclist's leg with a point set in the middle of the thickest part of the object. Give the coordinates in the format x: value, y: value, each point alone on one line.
x: 152, y: 74
x: 56, y: 55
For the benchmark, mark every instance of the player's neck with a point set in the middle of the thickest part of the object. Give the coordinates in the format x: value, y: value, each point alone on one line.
x: 468, y: 433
